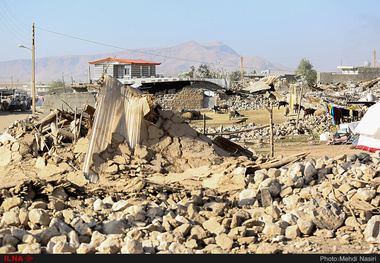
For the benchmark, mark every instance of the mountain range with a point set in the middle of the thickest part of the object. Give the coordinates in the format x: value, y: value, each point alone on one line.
x: 174, y: 60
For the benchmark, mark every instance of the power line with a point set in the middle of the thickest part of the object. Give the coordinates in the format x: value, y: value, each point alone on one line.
x: 12, y: 30
x: 142, y: 52
x: 15, y: 17
x: 21, y: 27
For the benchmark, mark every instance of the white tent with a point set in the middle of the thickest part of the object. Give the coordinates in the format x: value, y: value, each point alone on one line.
x: 369, y: 129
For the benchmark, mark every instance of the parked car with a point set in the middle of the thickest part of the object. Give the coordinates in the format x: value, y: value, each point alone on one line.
x: 20, y: 100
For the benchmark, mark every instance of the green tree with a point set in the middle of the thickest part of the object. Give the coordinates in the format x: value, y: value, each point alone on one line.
x: 305, y: 68
x: 235, y: 76
x: 56, y: 86
x: 204, y: 71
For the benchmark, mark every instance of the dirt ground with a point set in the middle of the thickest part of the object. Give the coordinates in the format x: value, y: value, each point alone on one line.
x: 317, y: 149
x: 255, y: 116
x: 7, y: 118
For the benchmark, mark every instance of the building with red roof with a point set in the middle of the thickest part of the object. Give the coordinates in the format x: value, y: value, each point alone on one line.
x: 124, y: 68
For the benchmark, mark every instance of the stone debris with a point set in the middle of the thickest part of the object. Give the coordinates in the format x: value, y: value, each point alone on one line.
x: 179, y: 192
x: 310, y: 126
x: 146, y: 202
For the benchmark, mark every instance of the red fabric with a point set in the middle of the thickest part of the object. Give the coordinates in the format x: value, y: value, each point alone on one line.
x: 368, y: 149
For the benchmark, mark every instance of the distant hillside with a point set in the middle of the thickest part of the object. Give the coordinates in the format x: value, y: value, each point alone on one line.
x: 190, y: 53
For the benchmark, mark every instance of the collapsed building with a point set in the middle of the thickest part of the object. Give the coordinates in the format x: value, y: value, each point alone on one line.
x: 133, y: 178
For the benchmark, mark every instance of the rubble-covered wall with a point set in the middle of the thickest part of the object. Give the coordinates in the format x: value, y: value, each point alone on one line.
x: 364, y: 73
x: 56, y: 101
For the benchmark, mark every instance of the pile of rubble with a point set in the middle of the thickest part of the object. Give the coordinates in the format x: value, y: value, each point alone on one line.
x: 309, y: 126
x: 178, y: 192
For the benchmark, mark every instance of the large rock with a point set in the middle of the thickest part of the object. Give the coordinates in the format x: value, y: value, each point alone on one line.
x: 114, y: 227
x: 11, y: 218
x: 330, y: 216
x: 366, y: 194
x: 247, y: 197
x: 39, y: 216
x: 224, y: 241
x: 11, y: 202
x: 6, y: 156
x: 132, y: 246
x: 372, y: 231
x: 305, y: 225
x: 273, y: 229
x: 111, y: 245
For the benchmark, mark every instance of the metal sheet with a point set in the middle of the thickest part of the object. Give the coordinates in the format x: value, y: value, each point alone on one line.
x: 120, y: 109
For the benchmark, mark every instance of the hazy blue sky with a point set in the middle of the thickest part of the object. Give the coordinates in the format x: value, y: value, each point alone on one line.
x: 280, y: 31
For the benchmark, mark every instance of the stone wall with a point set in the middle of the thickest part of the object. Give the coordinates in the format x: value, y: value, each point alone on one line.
x: 187, y: 98
x: 364, y: 73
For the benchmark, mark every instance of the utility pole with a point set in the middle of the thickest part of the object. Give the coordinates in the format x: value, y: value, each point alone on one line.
x: 34, y: 74
x: 89, y: 76
x: 242, y: 71
x: 374, y: 58
x: 11, y: 83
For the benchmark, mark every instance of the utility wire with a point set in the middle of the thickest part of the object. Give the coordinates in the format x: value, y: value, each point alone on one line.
x: 22, y: 25
x: 19, y: 26
x: 12, y: 30
x: 11, y: 26
x: 140, y: 51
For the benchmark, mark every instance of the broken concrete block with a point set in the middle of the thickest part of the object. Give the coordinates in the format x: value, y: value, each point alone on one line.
x: 49, y: 171
x: 274, y: 172
x: 366, y: 194
x: 60, y: 194
x: 77, y: 178
x: 309, y: 170
x: 114, y: 227
x: 11, y: 218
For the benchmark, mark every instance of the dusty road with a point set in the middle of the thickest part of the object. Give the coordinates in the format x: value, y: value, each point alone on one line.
x: 7, y: 118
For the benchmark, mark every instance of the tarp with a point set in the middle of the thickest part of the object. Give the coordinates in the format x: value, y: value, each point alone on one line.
x: 369, y: 129
x: 119, y: 109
